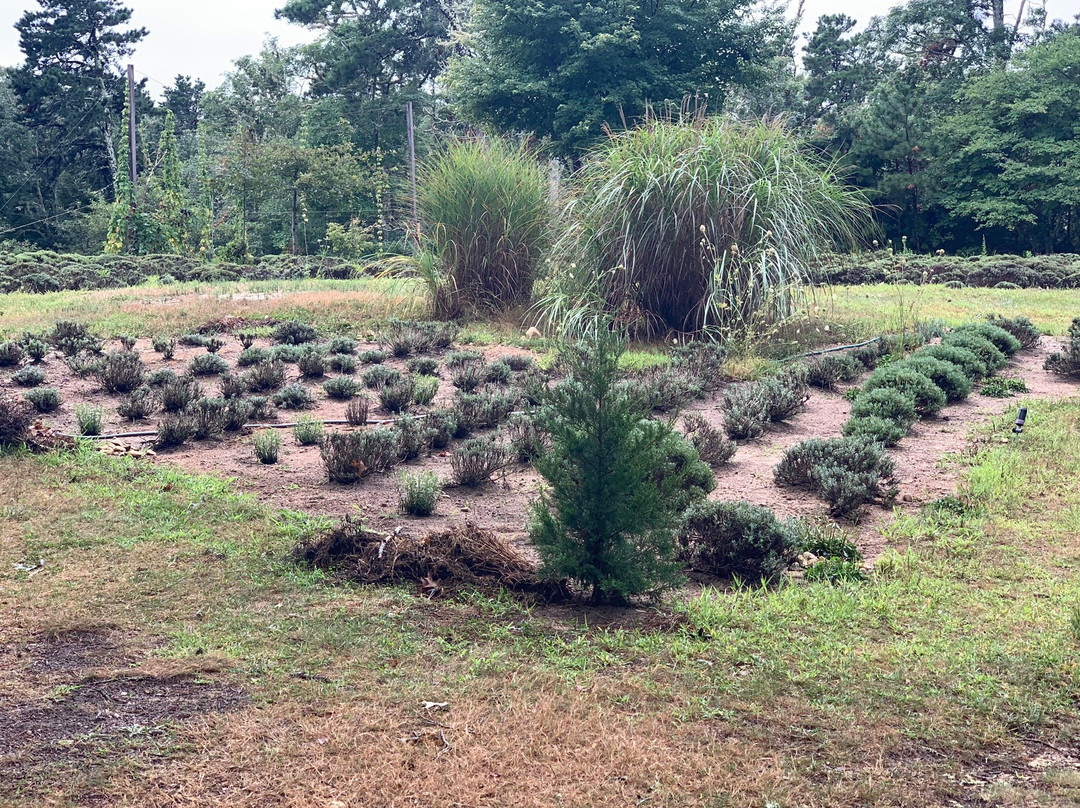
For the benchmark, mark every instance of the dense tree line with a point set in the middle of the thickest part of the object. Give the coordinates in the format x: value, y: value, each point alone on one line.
x: 958, y: 122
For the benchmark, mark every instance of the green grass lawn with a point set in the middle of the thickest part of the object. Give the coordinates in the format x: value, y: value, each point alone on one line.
x: 169, y: 604
x: 883, y: 307
x: 945, y: 678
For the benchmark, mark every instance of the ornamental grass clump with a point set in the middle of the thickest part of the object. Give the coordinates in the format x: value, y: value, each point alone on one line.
x: 266, y: 445
x: 485, y: 220
x: 88, y: 419
x: 698, y: 223
x: 308, y: 431
x: 611, y: 510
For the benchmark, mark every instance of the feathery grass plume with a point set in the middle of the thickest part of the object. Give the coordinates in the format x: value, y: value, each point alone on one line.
x: 485, y: 224
x: 696, y: 223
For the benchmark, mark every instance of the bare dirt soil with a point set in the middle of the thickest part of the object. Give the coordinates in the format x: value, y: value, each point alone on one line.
x: 925, y: 458
x: 78, y: 696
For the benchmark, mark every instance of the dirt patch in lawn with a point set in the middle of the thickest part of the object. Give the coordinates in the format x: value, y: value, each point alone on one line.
x: 925, y: 459
x: 72, y: 703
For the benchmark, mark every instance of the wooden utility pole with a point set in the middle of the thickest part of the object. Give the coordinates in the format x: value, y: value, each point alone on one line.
x: 131, y: 130
x: 412, y: 170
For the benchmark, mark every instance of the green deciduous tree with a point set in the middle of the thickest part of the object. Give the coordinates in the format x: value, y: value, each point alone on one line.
x: 565, y: 69
x: 1010, y: 156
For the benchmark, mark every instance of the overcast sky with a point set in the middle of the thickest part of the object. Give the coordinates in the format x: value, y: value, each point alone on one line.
x: 201, y: 38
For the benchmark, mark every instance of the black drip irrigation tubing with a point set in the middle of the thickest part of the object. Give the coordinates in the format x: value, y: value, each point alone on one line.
x: 832, y: 350
x: 290, y: 425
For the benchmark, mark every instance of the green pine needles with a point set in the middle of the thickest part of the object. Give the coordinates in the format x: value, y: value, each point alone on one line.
x: 608, y: 520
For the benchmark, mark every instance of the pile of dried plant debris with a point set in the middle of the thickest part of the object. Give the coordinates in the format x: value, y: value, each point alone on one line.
x: 443, y: 561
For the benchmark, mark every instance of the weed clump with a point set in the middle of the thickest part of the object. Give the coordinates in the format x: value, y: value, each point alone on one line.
x: 845, y: 472
x: 418, y: 492
x: 737, y: 540
x: 1000, y: 387
x: 266, y: 445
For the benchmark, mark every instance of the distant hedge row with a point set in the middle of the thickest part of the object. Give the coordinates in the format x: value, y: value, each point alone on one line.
x: 47, y: 271
x: 1060, y: 271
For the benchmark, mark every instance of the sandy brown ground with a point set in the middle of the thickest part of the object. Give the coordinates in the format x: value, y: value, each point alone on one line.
x: 298, y: 481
